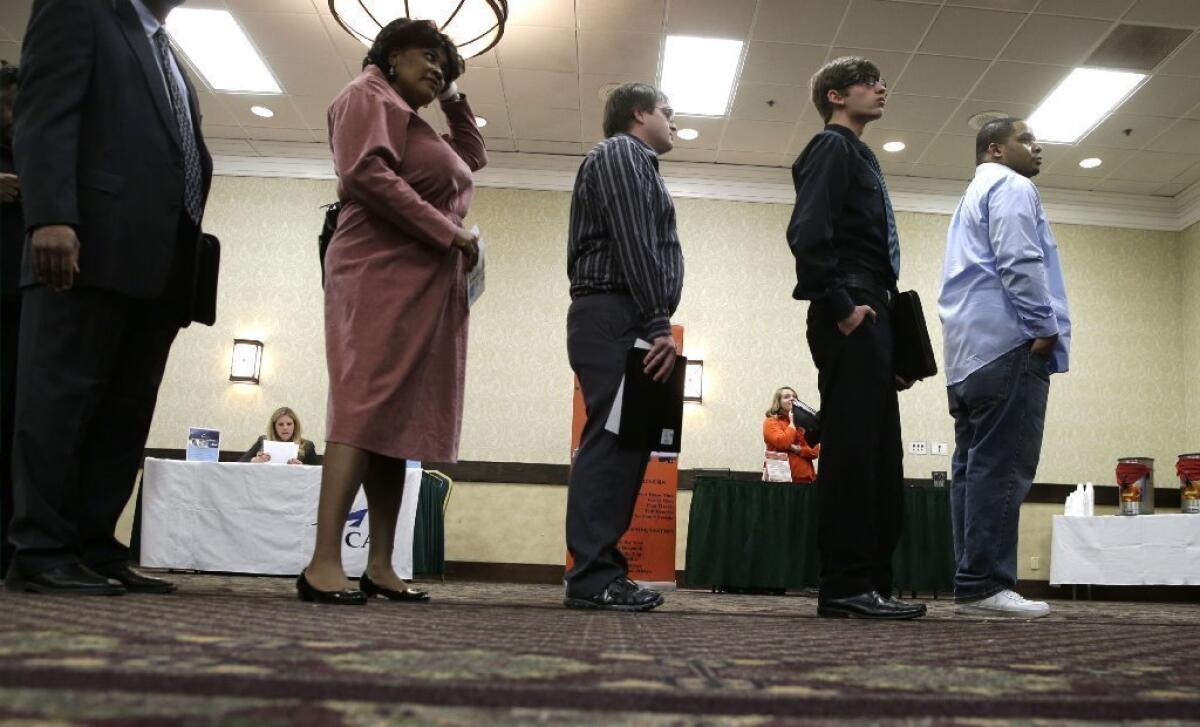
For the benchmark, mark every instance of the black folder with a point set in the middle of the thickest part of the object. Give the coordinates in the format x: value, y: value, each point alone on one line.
x: 204, y: 279
x: 913, y: 351
x: 651, y: 412
x: 808, y: 419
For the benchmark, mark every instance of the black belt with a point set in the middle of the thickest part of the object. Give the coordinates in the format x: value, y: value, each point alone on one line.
x: 870, y: 284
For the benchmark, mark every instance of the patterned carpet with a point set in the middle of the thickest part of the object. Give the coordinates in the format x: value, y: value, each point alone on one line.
x: 241, y: 650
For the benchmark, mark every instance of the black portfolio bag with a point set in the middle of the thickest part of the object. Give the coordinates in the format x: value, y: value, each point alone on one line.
x: 913, y: 350
x: 204, y: 279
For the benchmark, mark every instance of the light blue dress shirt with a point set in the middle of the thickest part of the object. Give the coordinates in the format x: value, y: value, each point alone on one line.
x: 1002, y: 281
x: 151, y: 25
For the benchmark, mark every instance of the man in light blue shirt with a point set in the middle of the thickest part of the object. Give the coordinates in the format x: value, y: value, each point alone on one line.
x: 1006, y: 329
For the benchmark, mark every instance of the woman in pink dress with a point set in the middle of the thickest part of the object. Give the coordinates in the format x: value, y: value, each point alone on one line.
x: 395, y: 296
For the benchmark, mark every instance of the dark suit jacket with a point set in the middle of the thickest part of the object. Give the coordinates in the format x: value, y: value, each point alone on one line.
x: 12, y: 234
x: 307, y: 453
x: 97, y: 145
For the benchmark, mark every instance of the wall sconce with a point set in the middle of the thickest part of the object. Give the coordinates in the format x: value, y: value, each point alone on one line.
x: 693, y: 381
x: 247, y: 361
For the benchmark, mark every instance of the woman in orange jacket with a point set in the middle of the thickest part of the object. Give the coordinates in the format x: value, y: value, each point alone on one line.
x: 781, y: 435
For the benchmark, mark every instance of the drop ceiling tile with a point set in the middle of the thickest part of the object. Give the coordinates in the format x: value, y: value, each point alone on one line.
x: 538, y: 146
x: 768, y: 102
x: 1151, y: 166
x: 1027, y: 83
x: 1165, y: 12
x: 10, y: 53
x: 960, y: 173
x: 1080, y: 184
x: 14, y: 17
x: 1051, y: 153
x: 213, y: 110
x: 680, y: 154
x: 939, y: 76
x: 1066, y: 161
x: 544, y: 124
x: 786, y: 63
x: 1111, y: 131
x: 1183, y: 136
x: 482, y: 85
x: 915, y: 143
x: 622, y: 53
x: 553, y: 13
x: 960, y: 122
x: 1186, y: 61
x: 538, y: 48
x: 347, y: 45
x: 970, y: 33
x: 501, y: 145
x: 1013, y: 5
x: 950, y: 150
x: 751, y: 158
x: 711, y: 18
x: 271, y: 6
x: 709, y: 127
x: 268, y: 134
x: 892, y: 168
x: 1189, y: 176
x: 541, y: 88
x: 761, y: 136
x: 497, y: 119
x: 1056, y: 40
x: 282, y: 34
x: 1165, y: 96
x: 638, y: 16
x: 310, y: 74
x: 885, y: 25
x: 217, y: 137
x: 916, y: 113
x: 798, y: 21
x: 1108, y: 9
x: 286, y: 116
x: 1124, y: 186
x: 889, y: 63
x: 487, y: 60
x: 314, y: 110
x: 1170, y: 189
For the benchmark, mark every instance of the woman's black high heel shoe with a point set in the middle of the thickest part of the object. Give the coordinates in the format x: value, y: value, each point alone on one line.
x: 372, y: 589
x: 334, y: 598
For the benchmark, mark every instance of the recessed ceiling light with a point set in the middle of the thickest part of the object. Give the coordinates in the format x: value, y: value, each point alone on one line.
x: 480, y: 121
x: 220, y: 51
x: 688, y: 134
x: 1080, y: 102
x: 1090, y: 162
x: 894, y: 146
x: 262, y: 111
x: 698, y: 74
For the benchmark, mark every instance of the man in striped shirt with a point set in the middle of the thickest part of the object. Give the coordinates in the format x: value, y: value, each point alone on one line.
x: 626, y: 270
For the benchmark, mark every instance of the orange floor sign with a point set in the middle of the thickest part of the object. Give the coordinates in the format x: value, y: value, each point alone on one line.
x: 649, y: 544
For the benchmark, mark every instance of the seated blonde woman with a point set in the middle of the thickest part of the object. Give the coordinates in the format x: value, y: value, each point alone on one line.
x: 782, y: 435
x: 283, y: 427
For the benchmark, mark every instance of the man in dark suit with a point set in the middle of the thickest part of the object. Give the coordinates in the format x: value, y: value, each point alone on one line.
x: 114, y: 174
x: 12, y: 235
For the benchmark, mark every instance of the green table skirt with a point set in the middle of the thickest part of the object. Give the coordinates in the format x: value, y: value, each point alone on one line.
x: 764, y: 535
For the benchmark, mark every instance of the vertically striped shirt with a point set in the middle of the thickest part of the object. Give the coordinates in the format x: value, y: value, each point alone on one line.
x: 623, y: 237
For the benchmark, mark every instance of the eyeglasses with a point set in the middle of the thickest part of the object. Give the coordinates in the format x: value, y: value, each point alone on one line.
x: 877, y: 83
x: 667, y: 111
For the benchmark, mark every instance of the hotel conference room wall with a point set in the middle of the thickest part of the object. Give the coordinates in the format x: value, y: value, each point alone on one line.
x: 1133, y: 296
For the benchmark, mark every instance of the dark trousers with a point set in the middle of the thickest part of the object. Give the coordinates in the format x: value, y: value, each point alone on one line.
x: 999, y: 415
x: 860, y: 485
x: 605, y: 479
x: 89, y: 366
x: 10, y: 325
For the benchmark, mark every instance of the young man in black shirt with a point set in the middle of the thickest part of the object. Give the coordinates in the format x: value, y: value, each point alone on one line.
x: 843, y: 236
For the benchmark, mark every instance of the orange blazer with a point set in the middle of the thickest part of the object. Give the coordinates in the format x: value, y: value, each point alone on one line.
x: 779, y: 434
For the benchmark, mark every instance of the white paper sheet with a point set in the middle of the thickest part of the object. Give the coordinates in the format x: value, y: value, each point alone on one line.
x: 280, y: 452
x: 476, y: 279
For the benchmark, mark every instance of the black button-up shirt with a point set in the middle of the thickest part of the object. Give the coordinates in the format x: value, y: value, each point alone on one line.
x: 622, y: 237
x: 839, y: 224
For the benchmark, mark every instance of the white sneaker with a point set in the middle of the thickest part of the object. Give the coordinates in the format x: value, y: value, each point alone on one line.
x: 1005, y: 604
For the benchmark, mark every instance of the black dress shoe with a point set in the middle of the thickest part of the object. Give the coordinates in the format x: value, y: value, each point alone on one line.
x: 868, y: 605
x: 133, y: 581
x: 72, y: 579
x: 906, y: 604
x: 372, y: 589
x: 620, y: 595
x: 333, y: 598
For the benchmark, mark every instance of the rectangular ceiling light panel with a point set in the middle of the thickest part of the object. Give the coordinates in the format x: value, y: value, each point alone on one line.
x: 698, y: 74
x: 1081, y: 101
x: 220, y: 51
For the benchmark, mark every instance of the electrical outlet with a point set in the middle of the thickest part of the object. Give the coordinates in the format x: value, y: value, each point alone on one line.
x: 940, y: 448
x: 1035, y: 563
x: 918, y: 447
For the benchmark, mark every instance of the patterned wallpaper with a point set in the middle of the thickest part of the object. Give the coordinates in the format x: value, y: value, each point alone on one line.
x: 1190, y: 366
x: 1125, y: 394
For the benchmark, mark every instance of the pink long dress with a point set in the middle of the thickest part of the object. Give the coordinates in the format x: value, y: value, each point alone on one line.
x: 395, y: 289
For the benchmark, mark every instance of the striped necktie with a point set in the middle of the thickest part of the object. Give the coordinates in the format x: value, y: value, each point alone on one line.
x: 191, y: 155
x: 893, y: 234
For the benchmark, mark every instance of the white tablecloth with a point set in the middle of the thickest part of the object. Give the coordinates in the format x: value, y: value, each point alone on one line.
x: 253, y: 518
x: 1126, y: 551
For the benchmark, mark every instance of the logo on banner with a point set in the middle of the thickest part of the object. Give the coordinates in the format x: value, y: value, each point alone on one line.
x: 355, y: 538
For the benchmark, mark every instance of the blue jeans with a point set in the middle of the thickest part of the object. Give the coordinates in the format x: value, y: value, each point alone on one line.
x: 999, y: 413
